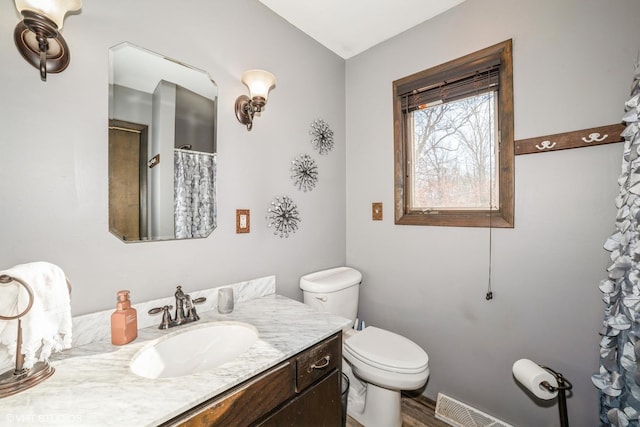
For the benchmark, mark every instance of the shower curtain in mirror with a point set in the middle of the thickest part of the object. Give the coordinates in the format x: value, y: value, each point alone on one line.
x: 619, y: 378
x: 194, y: 193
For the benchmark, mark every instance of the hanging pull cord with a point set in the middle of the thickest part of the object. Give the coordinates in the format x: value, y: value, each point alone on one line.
x: 489, y: 295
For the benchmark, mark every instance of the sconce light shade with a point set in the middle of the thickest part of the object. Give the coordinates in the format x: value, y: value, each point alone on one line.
x: 54, y: 10
x: 259, y: 82
x: 37, y: 37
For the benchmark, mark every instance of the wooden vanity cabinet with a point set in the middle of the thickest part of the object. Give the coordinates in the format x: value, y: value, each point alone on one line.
x: 301, y: 391
x: 318, y: 406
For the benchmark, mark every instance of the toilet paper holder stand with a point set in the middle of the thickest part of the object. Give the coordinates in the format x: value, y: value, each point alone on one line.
x: 564, y: 385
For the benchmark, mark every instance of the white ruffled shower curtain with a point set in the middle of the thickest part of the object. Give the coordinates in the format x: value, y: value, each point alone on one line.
x: 619, y: 379
x: 194, y: 193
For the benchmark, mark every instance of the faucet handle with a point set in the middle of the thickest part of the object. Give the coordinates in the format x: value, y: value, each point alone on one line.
x: 191, y: 312
x: 157, y: 310
x: 166, y: 322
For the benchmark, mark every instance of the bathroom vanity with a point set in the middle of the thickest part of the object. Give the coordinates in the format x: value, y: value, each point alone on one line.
x: 302, y: 391
x: 290, y: 376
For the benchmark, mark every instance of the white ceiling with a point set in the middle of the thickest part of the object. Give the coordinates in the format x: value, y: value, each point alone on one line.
x: 349, y: 27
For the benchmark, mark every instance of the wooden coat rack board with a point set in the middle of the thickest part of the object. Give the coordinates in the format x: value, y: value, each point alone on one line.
x: 562, y: 141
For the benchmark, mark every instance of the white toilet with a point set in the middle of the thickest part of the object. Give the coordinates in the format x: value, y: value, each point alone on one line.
x: 384, y: 363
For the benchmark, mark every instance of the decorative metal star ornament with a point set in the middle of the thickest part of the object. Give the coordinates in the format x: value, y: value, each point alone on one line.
x: 304, y: 172
x: 283, y: 216
x: 322, y: 136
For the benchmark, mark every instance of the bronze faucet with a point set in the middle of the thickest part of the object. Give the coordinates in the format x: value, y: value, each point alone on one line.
x: 180, y: 318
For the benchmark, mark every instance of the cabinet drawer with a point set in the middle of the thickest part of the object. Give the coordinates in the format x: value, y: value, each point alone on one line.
x: 318, y: 361
x: 244, y: 404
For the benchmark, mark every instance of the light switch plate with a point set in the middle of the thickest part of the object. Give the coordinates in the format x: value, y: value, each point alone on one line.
x: 376, y: 211
x: 243, y: 221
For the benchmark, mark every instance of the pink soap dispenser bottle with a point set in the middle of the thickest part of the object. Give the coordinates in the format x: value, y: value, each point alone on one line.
x: 124, y: 321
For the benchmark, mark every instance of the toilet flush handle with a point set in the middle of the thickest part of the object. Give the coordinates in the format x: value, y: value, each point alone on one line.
x: 323, y: 299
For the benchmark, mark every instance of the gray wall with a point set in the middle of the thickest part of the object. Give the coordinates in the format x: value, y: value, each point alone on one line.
x: 573, y: 64
x: 53, y: 142
x: 572, y: 69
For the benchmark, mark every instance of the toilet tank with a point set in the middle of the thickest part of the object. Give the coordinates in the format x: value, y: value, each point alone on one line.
x: 335, y: 291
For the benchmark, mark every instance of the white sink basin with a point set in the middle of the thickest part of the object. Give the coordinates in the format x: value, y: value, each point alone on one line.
x: 194, y: 349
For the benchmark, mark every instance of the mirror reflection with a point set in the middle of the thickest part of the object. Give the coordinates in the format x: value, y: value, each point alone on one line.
x: 162, y: 147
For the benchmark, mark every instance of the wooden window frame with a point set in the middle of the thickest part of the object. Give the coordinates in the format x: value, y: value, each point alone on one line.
x: 503, y: 216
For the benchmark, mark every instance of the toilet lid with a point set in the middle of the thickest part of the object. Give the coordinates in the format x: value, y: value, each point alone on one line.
x: 387, y: 351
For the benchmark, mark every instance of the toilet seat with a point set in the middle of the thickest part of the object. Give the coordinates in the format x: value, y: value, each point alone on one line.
x: 387, y: 351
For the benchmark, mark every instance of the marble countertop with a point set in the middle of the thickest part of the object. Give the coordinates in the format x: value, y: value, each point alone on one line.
x: 92, y: 384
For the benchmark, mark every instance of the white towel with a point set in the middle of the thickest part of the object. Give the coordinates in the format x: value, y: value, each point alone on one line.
x: 47, y: 325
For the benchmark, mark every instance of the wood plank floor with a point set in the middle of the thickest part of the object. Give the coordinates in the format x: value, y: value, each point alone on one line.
x: 417, y: 411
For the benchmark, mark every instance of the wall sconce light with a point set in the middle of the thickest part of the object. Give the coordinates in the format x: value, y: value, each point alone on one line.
x: 37, y: 36
x: 259, y: 82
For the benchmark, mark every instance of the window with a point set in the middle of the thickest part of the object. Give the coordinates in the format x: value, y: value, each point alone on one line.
x: 453, y: 136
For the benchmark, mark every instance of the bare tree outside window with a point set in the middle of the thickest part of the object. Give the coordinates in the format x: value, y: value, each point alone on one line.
x: 454, y: 155
x: 453, y: 132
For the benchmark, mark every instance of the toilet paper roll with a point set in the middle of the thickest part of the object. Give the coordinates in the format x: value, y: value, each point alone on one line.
x: 531, y: 375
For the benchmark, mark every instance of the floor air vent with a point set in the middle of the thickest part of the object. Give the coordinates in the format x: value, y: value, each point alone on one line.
x: 459, y: 414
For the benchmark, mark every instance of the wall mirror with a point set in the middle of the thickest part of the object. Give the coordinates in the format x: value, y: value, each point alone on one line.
x: 162, y: 147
